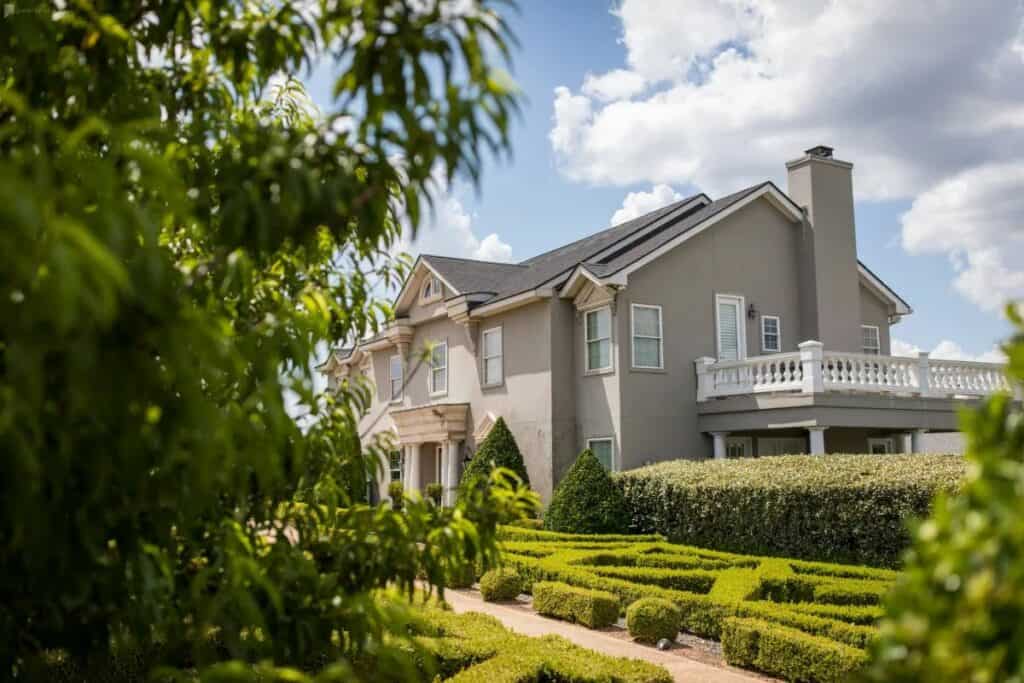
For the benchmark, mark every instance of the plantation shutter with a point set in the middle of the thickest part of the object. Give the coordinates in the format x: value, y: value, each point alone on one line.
x: 728, y: 330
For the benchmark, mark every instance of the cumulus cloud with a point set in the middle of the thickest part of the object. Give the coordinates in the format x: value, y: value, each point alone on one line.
x: 638, y: 203
x: 735, y: 87
x: 947, y: 350
x: 614, y: 85
x: 976, y: 216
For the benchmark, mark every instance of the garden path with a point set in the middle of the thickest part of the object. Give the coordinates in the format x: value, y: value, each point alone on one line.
x: 529, y: 623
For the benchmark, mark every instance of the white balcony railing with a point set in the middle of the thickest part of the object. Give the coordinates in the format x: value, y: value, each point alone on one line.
x: 813, y: 370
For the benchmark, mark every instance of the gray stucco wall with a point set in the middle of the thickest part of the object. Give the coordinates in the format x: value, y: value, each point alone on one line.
x: 753, y: 253
x: 598, y: 395
x: 873, y: 311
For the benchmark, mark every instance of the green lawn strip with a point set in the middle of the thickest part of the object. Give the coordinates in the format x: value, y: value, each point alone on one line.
x: 474, y: 647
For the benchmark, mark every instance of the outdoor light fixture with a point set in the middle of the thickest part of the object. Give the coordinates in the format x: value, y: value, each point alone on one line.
x: 751, y: 312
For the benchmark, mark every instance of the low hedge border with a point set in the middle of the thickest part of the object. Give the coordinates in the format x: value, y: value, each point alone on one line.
x: 787, y: 652
x: 833, y: 605
x: 500, y: 584
x: 843, y: 508
x: 592, y: 608
x: 476, y: 648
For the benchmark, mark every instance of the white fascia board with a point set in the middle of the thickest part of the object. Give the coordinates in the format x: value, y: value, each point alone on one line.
x: 511, y: 302
x: 568, y: 290
x: 901, y: 306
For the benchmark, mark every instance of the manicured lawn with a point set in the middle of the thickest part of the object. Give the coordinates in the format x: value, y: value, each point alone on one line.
x: 791, y: 618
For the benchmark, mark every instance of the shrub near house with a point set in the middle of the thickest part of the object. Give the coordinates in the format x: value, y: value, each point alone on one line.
x: 587, y: 501
x: 840, y: 508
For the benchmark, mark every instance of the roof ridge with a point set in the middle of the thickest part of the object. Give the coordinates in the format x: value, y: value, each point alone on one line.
x: 472, y: 260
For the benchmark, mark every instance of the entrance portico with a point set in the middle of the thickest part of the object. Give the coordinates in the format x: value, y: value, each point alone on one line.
x: 431, y: 439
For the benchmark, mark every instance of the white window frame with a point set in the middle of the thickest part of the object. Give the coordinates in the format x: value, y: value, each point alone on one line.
x: 432, y: 390
x: 431, y: 289
x: 401, y: 466
x: 392, y: 397
x: 634, y: 336
x: 741, y: 325
x: 887, y: 442
x: 745, y: 442
x: 611, y: 441
x: 488, y: 382
x: 878, y: 340
x: 778, y: 334
x: 587, y: 341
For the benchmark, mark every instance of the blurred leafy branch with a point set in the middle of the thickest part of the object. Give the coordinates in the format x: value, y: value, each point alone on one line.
x: 180, y: 232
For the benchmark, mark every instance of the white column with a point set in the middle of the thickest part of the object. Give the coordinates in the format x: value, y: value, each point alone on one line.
x: 414, y: 467
x: 451, y: 474
x: 908, y: 442
x: 817, y: 439
x: 811, y: 353
x: 702, y: 365
x: 917, y: 440
x: 924, y: 374
x: 719, y: 444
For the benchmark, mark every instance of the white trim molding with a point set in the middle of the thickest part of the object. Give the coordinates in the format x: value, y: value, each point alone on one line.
x: 587, y: 341
x: 633, y: 337
x: 778, y: 334
x: 485, y: 382
x: 432, y: 390
x: 877, y: 349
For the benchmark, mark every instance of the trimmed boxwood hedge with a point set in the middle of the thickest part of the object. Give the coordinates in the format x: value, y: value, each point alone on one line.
x: 592, y: 608
x: 787, y: 652
x: 837, y: 508
x: 500, y: 584
x: 651, y: 619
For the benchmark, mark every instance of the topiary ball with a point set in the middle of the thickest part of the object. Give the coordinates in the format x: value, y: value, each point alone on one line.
x: 500, y: 584
x: 587, y: 501
x: 652, y: 619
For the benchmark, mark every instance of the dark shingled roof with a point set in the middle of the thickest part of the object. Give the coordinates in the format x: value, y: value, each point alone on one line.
x: 469, y: 276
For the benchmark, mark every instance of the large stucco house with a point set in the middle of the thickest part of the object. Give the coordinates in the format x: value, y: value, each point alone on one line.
x: 738, y: 326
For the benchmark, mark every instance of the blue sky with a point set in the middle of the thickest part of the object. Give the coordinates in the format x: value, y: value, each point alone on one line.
x: 711, y: 95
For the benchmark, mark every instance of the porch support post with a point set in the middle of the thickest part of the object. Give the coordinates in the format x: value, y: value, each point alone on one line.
x: 811, y: 354
x: 908, y: 442
x: 703, y: 366
x: 450, y: 474
x: 817, y: 439
x: 917, y: 440
x: 719, y: 442
x: 414, y: 467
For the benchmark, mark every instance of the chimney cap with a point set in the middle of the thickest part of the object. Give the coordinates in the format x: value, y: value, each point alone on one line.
x: 823, y: 151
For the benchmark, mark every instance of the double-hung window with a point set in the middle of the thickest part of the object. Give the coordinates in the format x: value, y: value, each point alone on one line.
x: 602, y: 448
x: 395, y: 466
x: 493, y: 358
x: 432, y: 288
x: 396, y: 377
x: 598, y: 324
x: 771, y: 334
x: 647, y: 337
x: 869, y: 340
x: 730, y: 327
x: 439, y: 369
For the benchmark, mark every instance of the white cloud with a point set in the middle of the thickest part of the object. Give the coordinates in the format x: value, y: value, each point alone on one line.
x: 947, y: 350
x: 638, y: 203
x: 738, y: 86
x: 450, y: 232
x: 614, y: 85
x: 976, y: 216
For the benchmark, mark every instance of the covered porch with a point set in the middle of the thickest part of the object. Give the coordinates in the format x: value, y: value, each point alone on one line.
x: 432, y: 441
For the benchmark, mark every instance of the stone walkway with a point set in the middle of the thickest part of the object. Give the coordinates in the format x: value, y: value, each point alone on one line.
x: 530, y: 623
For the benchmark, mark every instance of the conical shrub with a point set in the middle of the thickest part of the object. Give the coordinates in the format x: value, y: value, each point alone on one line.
x: 498, y: 449
x: 587, y: 501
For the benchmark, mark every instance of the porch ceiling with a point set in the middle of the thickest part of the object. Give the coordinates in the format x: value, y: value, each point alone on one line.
x: 439, y: 422
x: 738, y: 413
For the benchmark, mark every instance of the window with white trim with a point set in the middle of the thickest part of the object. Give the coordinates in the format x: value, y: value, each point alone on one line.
x: 395, y: 466
x: 881, y: 446
x: 493, y: 357
x: 598, y: 329
x: 771, y: 334
x: 648, y: 344
x: 396, y: 377
x: 731, y: 331
x: 739, y: 447
x: 438, y: 376
x: 432, y: 288
x: 870, y: 343
x: 603, y: 448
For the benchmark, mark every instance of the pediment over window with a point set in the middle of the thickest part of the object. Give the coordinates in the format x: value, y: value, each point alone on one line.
x: 592, y: 296
x: 483, y: 428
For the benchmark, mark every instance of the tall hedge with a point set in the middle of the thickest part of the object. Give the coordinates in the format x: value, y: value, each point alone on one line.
x: 498, y: 449
x: 587, y: 501
x: 837, y: 508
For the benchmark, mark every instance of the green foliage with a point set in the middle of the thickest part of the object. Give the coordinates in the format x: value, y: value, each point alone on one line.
x: 958, y: 611
x: 475, y: 648
x: 498, y: 449
x: 500, y: 584
x: 843, y: 508
x: 396, y: 492
x: 435, y: 492
x: 592, y: 608
x: 182, y: 232
x: 788, y: 653
x: 651, y: 619
x: 587, y: 501
x: 823, y: 601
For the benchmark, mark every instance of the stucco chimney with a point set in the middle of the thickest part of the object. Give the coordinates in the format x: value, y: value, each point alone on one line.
x: 823, y: 186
